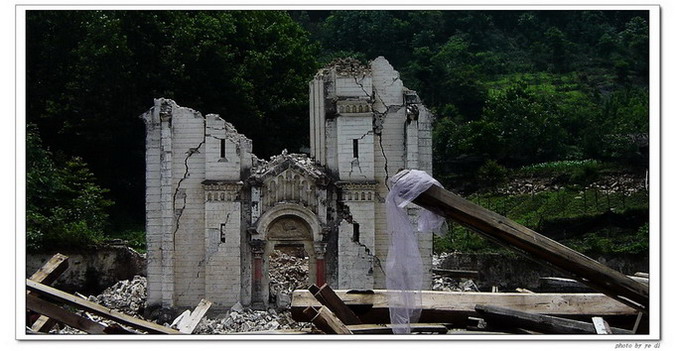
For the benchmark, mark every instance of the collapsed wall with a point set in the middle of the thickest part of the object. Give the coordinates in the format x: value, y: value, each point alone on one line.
x: 215, y: 213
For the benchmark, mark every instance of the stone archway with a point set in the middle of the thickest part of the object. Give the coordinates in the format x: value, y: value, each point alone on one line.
x: 287, y: 224
x: 289, y: 242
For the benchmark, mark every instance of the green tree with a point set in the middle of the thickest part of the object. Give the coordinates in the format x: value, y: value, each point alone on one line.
x: 65, y: 208
x: 91, y: 73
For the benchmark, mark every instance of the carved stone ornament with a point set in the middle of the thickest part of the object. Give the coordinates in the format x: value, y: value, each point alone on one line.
x: 289, y: 228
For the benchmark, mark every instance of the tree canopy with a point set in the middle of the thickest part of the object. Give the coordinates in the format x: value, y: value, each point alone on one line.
x: 514, y: 87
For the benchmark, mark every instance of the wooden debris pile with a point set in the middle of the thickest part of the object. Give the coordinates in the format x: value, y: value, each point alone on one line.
x: 468, y: 312
x: 119, y: 310
x: 47, y: 306
x: 618, y: 308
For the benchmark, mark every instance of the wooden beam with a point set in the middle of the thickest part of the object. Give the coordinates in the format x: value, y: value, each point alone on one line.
x: 524, y: 291
x: 43, y: 324
x: 328, y: 298
x: 188, y: 324
x: 535, y: 246
x: 51, y: 270
x: 636, y: 326
x: 59, y: 314
x: 601, y: 326
x: 326, y: 320
x: 505, y: 317
x: 456, y: 307
x: 573, y: 285
x: 435, y: 328
x: 47, y: 274
x: 95, y: 308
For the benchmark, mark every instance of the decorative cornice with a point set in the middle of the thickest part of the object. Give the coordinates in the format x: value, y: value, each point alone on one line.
x: 357, y: 185
x: 222, y: 190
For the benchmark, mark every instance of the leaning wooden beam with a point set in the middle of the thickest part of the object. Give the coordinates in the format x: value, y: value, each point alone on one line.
x: 535, y: 246
x: 456, y: 307
x: 51, y: 270
x: 506, y: 317
x: 47, y: 274
x: 89, y: 306
x: 59, y: 314
x: 435, y: 328
x: 328, y: 298
x: 326, y: 321
x: 188, y: 324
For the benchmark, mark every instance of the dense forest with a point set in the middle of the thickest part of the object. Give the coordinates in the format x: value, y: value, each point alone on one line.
x: 516, y: 94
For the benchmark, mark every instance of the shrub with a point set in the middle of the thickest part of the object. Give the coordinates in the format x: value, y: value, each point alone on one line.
x: 64, y: 205
x: 491, y: 174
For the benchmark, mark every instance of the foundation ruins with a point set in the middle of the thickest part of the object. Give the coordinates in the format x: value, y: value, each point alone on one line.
x: 215, y: 213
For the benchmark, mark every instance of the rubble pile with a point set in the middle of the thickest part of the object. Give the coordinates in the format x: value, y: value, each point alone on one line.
x: 607, y: 184
x: 441, y: 283
x: 349, y: 66
x: 126, y: 296
x: 287, y: 273
x: 242, y: 320
x: 262, y: 167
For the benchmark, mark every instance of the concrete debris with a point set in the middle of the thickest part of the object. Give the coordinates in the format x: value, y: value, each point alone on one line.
x: 126, y: 296
x: 441, y: 283
x: 302, y: 161
x: 248, y: 320
x: 349, y: 66
x: 607, y: 184
x: 287, y: 273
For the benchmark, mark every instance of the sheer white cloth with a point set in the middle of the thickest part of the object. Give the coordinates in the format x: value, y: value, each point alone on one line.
x: 404, y: 269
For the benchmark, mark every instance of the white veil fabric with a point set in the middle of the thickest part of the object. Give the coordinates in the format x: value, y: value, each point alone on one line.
x: 404, y: 269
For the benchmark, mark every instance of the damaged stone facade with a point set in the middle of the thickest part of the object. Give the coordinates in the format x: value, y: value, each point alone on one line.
x: 215, y: 212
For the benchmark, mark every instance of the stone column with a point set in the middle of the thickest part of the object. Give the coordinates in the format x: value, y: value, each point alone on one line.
x: 258, y: 250
x: 320, y: 252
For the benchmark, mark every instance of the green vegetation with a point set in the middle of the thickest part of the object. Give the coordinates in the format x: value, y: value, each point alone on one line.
x: 560, y: 94
x: 587, y: 219
x: 64, y: 206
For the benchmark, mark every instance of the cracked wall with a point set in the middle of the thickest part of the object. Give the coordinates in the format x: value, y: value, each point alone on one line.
x: 365, y: 127
x: 207, y: 194
x: 192, y: 226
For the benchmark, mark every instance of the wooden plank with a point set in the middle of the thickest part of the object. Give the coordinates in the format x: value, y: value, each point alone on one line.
x: 435, y: 328
x: 51, y: 270
x: 476, y: 332
x: 188, y: 324
x: 536, y: 246
x: 524, y: 291
x: 47, y: 274
x: 59, y: 314
x: 328, y: 298
x: 601, y: 326
x: 97, y: 309
x: 326, y: 320
x: 43, y: 324
x: 456, y: 307
x: 505, y: 317
x: 456, y: 273
x: 636, y: 326
x: 573, y: 285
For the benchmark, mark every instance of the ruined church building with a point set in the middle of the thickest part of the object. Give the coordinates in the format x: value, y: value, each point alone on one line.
x: 215, y: 212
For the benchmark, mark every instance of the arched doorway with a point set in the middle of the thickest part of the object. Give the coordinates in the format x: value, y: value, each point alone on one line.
x: 293, y: 229
x: 290, y: 258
